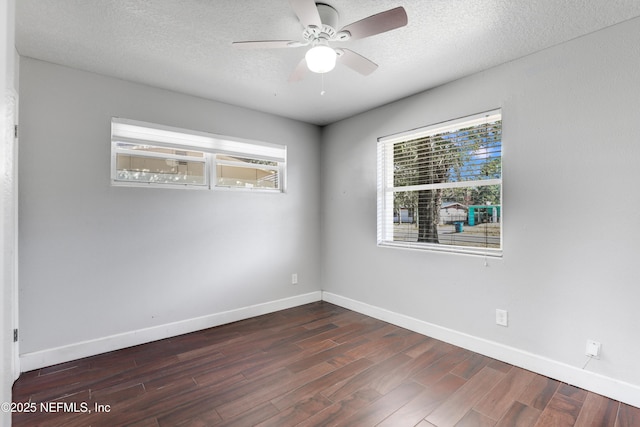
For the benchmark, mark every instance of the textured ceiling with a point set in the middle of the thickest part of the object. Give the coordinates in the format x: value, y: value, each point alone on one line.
x: 185, y: 45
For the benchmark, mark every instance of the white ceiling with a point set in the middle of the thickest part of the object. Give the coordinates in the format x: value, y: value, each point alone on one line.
x: 185, y: 45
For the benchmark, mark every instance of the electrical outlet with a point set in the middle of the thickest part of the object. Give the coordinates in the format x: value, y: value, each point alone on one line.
x: 502, y: 317
x: 294, y: 279
x: 593, y: 349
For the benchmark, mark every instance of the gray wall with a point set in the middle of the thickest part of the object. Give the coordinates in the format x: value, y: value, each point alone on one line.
x: 570, y: 271
x: 97, y: 260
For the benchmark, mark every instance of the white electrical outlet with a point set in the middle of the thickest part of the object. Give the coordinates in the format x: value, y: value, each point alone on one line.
x: 294, y: 279
x: 502, y: 317
x: 593, y: 349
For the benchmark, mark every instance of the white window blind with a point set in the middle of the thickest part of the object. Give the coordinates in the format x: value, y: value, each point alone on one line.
x: 150, y: 154
x: 440, y: 187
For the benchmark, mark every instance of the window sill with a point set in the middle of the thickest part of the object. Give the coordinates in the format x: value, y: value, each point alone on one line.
x: 460, y: 250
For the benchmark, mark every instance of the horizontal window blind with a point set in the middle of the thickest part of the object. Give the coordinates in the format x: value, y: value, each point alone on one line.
x: 440, y: 187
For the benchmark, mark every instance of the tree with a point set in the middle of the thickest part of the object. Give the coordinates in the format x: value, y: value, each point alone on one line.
x: 437, y: 156
x: 423, y: 161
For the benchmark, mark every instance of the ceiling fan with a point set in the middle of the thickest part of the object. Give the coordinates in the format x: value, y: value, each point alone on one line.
x: 320, y: 21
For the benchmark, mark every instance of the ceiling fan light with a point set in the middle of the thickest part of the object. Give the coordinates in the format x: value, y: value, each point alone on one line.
x: 321, y: 59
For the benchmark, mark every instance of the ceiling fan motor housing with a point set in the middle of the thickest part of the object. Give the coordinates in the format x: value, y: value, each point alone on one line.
x: 329, y: 18
x: 328, y: 15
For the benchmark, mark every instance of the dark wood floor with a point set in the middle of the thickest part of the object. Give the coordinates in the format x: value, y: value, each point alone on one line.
x: 313, y: 365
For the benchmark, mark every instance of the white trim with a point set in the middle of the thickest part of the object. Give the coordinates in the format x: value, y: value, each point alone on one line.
x: 451, y: 249
x: 52, y: 356
x: 597, y: 383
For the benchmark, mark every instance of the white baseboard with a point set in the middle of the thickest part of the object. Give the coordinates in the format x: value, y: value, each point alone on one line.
x: 48, y: 357
x: 597, y: 383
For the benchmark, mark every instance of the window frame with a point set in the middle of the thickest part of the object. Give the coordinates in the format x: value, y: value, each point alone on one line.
x: 386, y: 188
x: 126, y: 131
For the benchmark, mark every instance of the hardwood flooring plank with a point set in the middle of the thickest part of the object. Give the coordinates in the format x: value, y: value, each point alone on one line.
x: 178, y: 385
x: 258, y: 341
x: 371, y: 330
x: 385, y: 406
x: 394, y: 377
x: 597, y: 411
x: 64, y: 367
x: 475, y: 419
x: 354, y: 330
x: 519, y: 415
x: 500, y: 366
x: 376, y: 342
x: 471, y: 366
x: 341, y: 319
x: 171, y: 407
x: 200, y: 400
x: 299, y: 412
x: 539, y: 392
x: 364, y: 378
x: 113, y: 395
x: 390, y: 344
x: 454, y: 408
x: 252, y: 417
x: 422, y: 347
x: 258, y: 370
x: 319, y: 385
x: 628, y: 416
x: 304, y: 333
x: 573, y: 392
x: 272, y: 390
x: 180, y: 418
x: 443, y: 366
x: 498, y: 401
x: 149, y: 422
x: 322, y: 356
x: 422, y: 405
x: 236, y: 364
x: 343, y: 409
x: 561, y: 411
x: 47, y: 387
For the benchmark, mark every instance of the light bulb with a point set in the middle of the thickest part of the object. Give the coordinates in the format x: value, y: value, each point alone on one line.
x: 321, y: 58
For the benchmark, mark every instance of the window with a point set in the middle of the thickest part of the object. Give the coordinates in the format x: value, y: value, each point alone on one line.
x: 234, y: 171
x: 143, y: 163
x: 440, y: 187
x: 145, y: 154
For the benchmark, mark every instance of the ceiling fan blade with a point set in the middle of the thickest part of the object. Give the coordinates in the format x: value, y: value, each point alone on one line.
x: 299, y: 72
x: 267, y: 44
x: 376, y: 24
x: 356, y: 62
x: 307, y: 12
